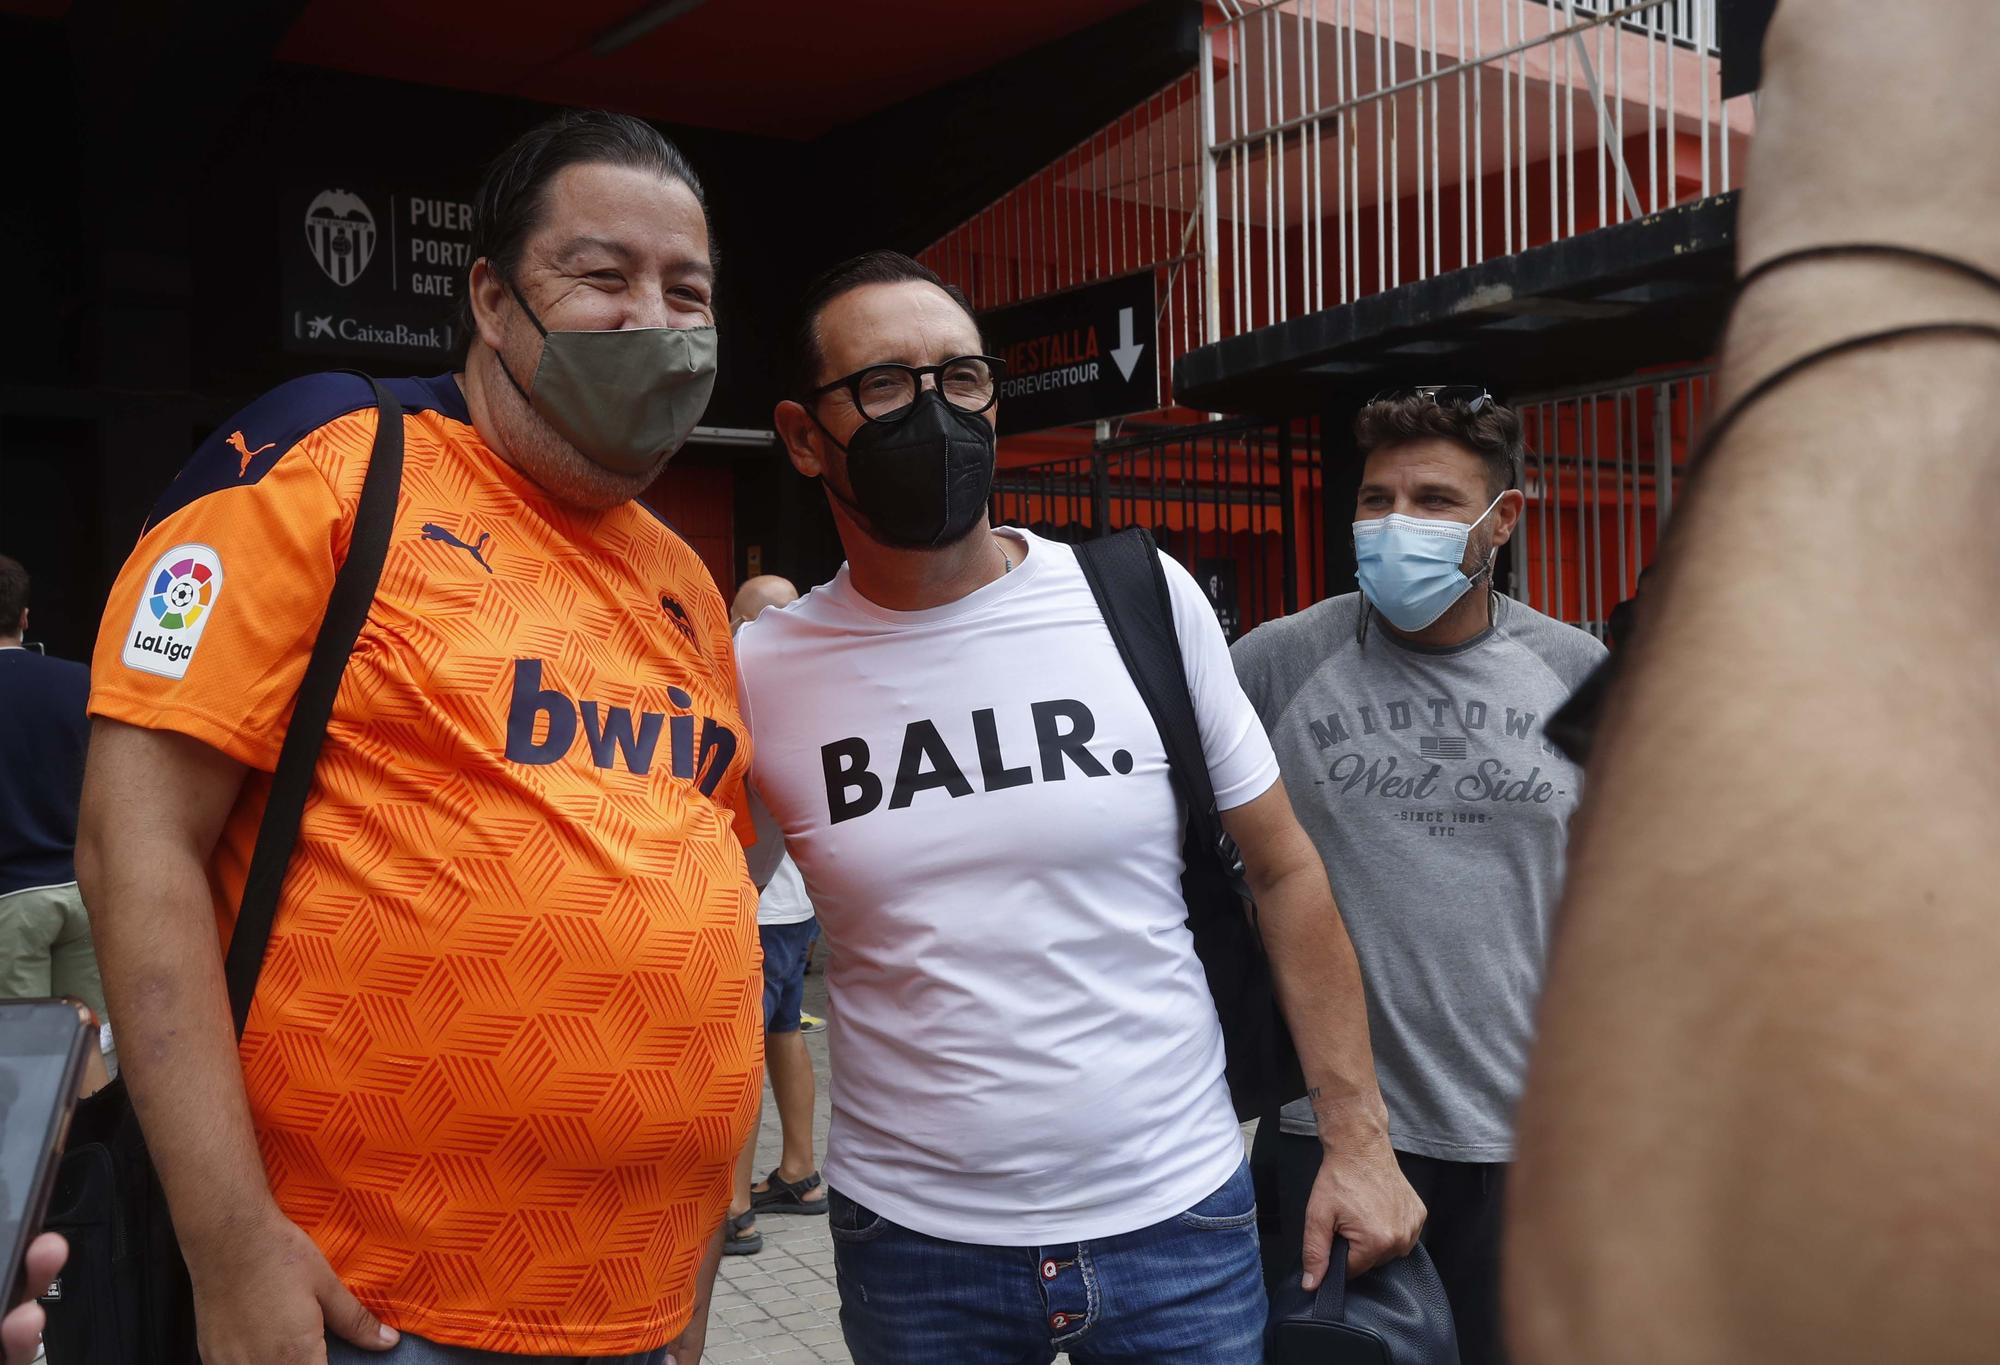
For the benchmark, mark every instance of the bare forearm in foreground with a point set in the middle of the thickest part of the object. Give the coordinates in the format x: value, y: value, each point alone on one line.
x: 1759, y: 1121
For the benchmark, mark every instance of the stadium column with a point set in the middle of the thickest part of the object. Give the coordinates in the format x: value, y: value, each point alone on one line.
x: 155, y: 85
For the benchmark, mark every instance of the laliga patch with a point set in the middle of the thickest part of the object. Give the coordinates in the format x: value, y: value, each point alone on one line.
x: 174, y: 609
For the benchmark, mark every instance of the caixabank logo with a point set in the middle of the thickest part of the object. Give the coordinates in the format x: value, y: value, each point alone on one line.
x: 174, y: 609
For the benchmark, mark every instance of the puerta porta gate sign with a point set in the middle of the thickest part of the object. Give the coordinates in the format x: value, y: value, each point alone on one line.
x: 1076, y: 356
x: 373, y: 271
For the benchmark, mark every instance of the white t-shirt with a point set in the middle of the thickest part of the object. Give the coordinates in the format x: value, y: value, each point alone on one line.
x: 783, y: 899
x: 1024, y: 1047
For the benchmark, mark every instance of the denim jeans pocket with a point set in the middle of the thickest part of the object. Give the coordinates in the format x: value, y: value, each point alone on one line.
x: 1233, y: 1205
x: 852, y: 1222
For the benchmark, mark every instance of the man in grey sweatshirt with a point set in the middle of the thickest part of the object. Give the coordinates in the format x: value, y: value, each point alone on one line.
x: 1407, y: 720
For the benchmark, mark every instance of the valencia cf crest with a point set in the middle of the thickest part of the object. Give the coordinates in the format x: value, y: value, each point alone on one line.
x: 678, y: 615
x: 341, y: 232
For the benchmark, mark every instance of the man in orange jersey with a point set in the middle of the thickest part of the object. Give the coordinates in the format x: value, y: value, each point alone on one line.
x: 505, y: 1043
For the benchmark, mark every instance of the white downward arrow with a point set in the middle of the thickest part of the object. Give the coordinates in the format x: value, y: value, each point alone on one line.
x: 1127, y: 351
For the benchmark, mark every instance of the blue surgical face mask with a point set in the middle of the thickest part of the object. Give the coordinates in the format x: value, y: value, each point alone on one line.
x: 1409, y: 566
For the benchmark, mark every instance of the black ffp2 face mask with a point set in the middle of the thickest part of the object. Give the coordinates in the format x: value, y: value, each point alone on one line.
x: 923, y: 482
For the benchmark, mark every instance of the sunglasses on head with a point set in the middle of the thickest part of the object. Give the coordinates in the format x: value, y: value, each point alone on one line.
x: 1471, y: 397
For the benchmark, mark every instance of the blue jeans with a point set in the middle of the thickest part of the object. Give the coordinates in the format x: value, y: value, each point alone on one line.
x: 1186, y: 1291
x: 417, y: 1351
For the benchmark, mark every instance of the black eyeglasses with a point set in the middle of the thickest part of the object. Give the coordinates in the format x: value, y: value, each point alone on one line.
x: 886, y: 392
x: 1471, y: 397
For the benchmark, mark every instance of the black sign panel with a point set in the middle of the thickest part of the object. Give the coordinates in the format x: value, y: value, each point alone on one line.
x: 1740, y: 33
x: 373, y: 271
x: 1218, y: 583
x: 1077, y: 356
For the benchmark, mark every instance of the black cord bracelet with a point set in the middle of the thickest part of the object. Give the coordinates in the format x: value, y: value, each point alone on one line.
x: 1888, y: 250
x: 1721, y: 425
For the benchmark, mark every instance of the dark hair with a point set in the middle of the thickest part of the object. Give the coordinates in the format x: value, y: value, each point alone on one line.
x: 803, y: 355
x: 13, y: 594
x: 508, y: 207
x: 1493, y: 433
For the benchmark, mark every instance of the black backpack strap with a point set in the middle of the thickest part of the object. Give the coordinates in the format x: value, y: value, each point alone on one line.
x: 1261, y: 1064
x: 346, y: 611
x: 1125, y: 577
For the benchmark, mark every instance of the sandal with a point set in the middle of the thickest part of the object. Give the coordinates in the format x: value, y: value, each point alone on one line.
x: 787, y: 1196
x: 737, y: 1243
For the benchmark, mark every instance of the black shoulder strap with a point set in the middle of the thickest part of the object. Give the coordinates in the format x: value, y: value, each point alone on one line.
x: 1125, y: 577
x: 346, y: 610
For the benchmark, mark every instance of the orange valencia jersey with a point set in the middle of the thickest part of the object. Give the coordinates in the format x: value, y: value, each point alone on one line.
x: 507, y: 1041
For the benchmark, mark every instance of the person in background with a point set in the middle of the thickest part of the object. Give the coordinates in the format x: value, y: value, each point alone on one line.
x: 45, y: 942
x: 786, y: 926
x: 1408, y: 718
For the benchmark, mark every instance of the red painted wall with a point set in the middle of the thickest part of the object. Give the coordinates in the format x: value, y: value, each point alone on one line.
x: 697, y: 495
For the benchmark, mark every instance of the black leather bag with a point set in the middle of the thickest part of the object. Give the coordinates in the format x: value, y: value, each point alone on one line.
x: 1263, y: 1069
x: 1394, y: 1314
x: 123, y: 1294
x: 124, y: 1297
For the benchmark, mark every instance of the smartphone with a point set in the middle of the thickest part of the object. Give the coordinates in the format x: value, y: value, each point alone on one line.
x: 43, y: 1046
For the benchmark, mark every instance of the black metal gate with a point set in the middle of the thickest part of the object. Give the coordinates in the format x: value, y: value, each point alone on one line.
x: 1237, y: 502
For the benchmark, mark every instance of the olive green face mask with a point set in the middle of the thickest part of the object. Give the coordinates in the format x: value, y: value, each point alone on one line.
x: 623, y: 399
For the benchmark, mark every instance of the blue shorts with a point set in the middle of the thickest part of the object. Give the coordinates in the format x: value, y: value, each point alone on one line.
x: 785, y: 948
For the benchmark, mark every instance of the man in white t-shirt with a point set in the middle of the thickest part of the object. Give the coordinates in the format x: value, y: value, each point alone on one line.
x: 785, y: 930
x: 1032, y: 1147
